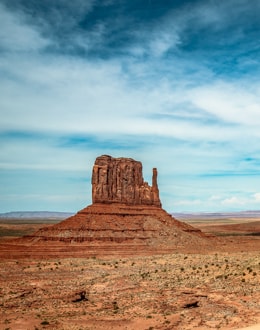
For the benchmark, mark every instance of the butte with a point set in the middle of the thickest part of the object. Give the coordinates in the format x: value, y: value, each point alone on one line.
x: 125, y: 218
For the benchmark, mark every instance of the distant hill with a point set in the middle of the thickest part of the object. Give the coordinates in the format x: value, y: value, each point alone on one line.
x: 35, y: 215
x: 177, y: 215
x: 216, y: 215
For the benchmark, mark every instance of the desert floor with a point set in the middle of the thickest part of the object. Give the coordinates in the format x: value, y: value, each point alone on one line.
x: 216, y: 290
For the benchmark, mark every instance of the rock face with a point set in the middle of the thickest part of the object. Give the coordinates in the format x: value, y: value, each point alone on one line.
x: 125, y: 218
x: 120, y: 180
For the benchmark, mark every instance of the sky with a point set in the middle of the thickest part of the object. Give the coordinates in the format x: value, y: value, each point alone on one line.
x: 174, y: 84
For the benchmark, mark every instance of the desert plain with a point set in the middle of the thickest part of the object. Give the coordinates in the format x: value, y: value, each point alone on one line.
x: 217, y: 288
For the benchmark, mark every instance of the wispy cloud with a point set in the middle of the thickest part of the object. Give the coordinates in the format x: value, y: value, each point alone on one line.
x: 176, y: 86
x: 231, y: 102
x: 16, y: 35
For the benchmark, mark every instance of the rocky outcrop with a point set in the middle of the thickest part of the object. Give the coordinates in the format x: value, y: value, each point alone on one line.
x: 120, y: 180
x: 117, y: 223
x: 125, y: 218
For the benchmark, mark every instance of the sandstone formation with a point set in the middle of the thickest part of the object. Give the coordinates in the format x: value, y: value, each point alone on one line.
x: 125, y: 217
x: 120, y: 180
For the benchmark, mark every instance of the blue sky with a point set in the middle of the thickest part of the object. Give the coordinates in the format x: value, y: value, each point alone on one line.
x: 174, y: 84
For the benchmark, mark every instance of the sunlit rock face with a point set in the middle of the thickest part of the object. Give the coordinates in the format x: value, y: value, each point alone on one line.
x: 120, y: 180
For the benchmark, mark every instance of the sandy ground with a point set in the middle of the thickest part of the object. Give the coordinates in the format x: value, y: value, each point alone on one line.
x: 253, y: 327
x: 216, y: 289
x: 175, y: 291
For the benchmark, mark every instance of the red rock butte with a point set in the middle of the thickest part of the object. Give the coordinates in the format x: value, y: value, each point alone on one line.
x: 125, y: 218
x: 120, y: 180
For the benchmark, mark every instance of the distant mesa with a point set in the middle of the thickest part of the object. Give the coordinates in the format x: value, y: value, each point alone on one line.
x: 125, y: 217
x: 24, y: 215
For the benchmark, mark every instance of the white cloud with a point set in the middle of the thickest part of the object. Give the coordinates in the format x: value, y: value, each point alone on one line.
x: 231, y: 102
x: 77, y: 96
x: 163, y: 41
x: 74, y: 96
x: 16, y: 35
x: 234, y: 200
x: 217, y: 203
x: 257, y: 197
x: 173, y: 112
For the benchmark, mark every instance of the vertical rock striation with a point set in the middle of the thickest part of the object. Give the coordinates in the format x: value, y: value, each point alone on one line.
x: 120, y: 180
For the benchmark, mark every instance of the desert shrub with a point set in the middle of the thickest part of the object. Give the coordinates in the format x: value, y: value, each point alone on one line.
x: 45, y: 322
x: 115, y: 306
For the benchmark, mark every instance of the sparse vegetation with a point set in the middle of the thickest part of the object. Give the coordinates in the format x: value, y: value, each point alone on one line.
x: 154, y: 287
x: 152, y: 290
x: 45, y: 322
